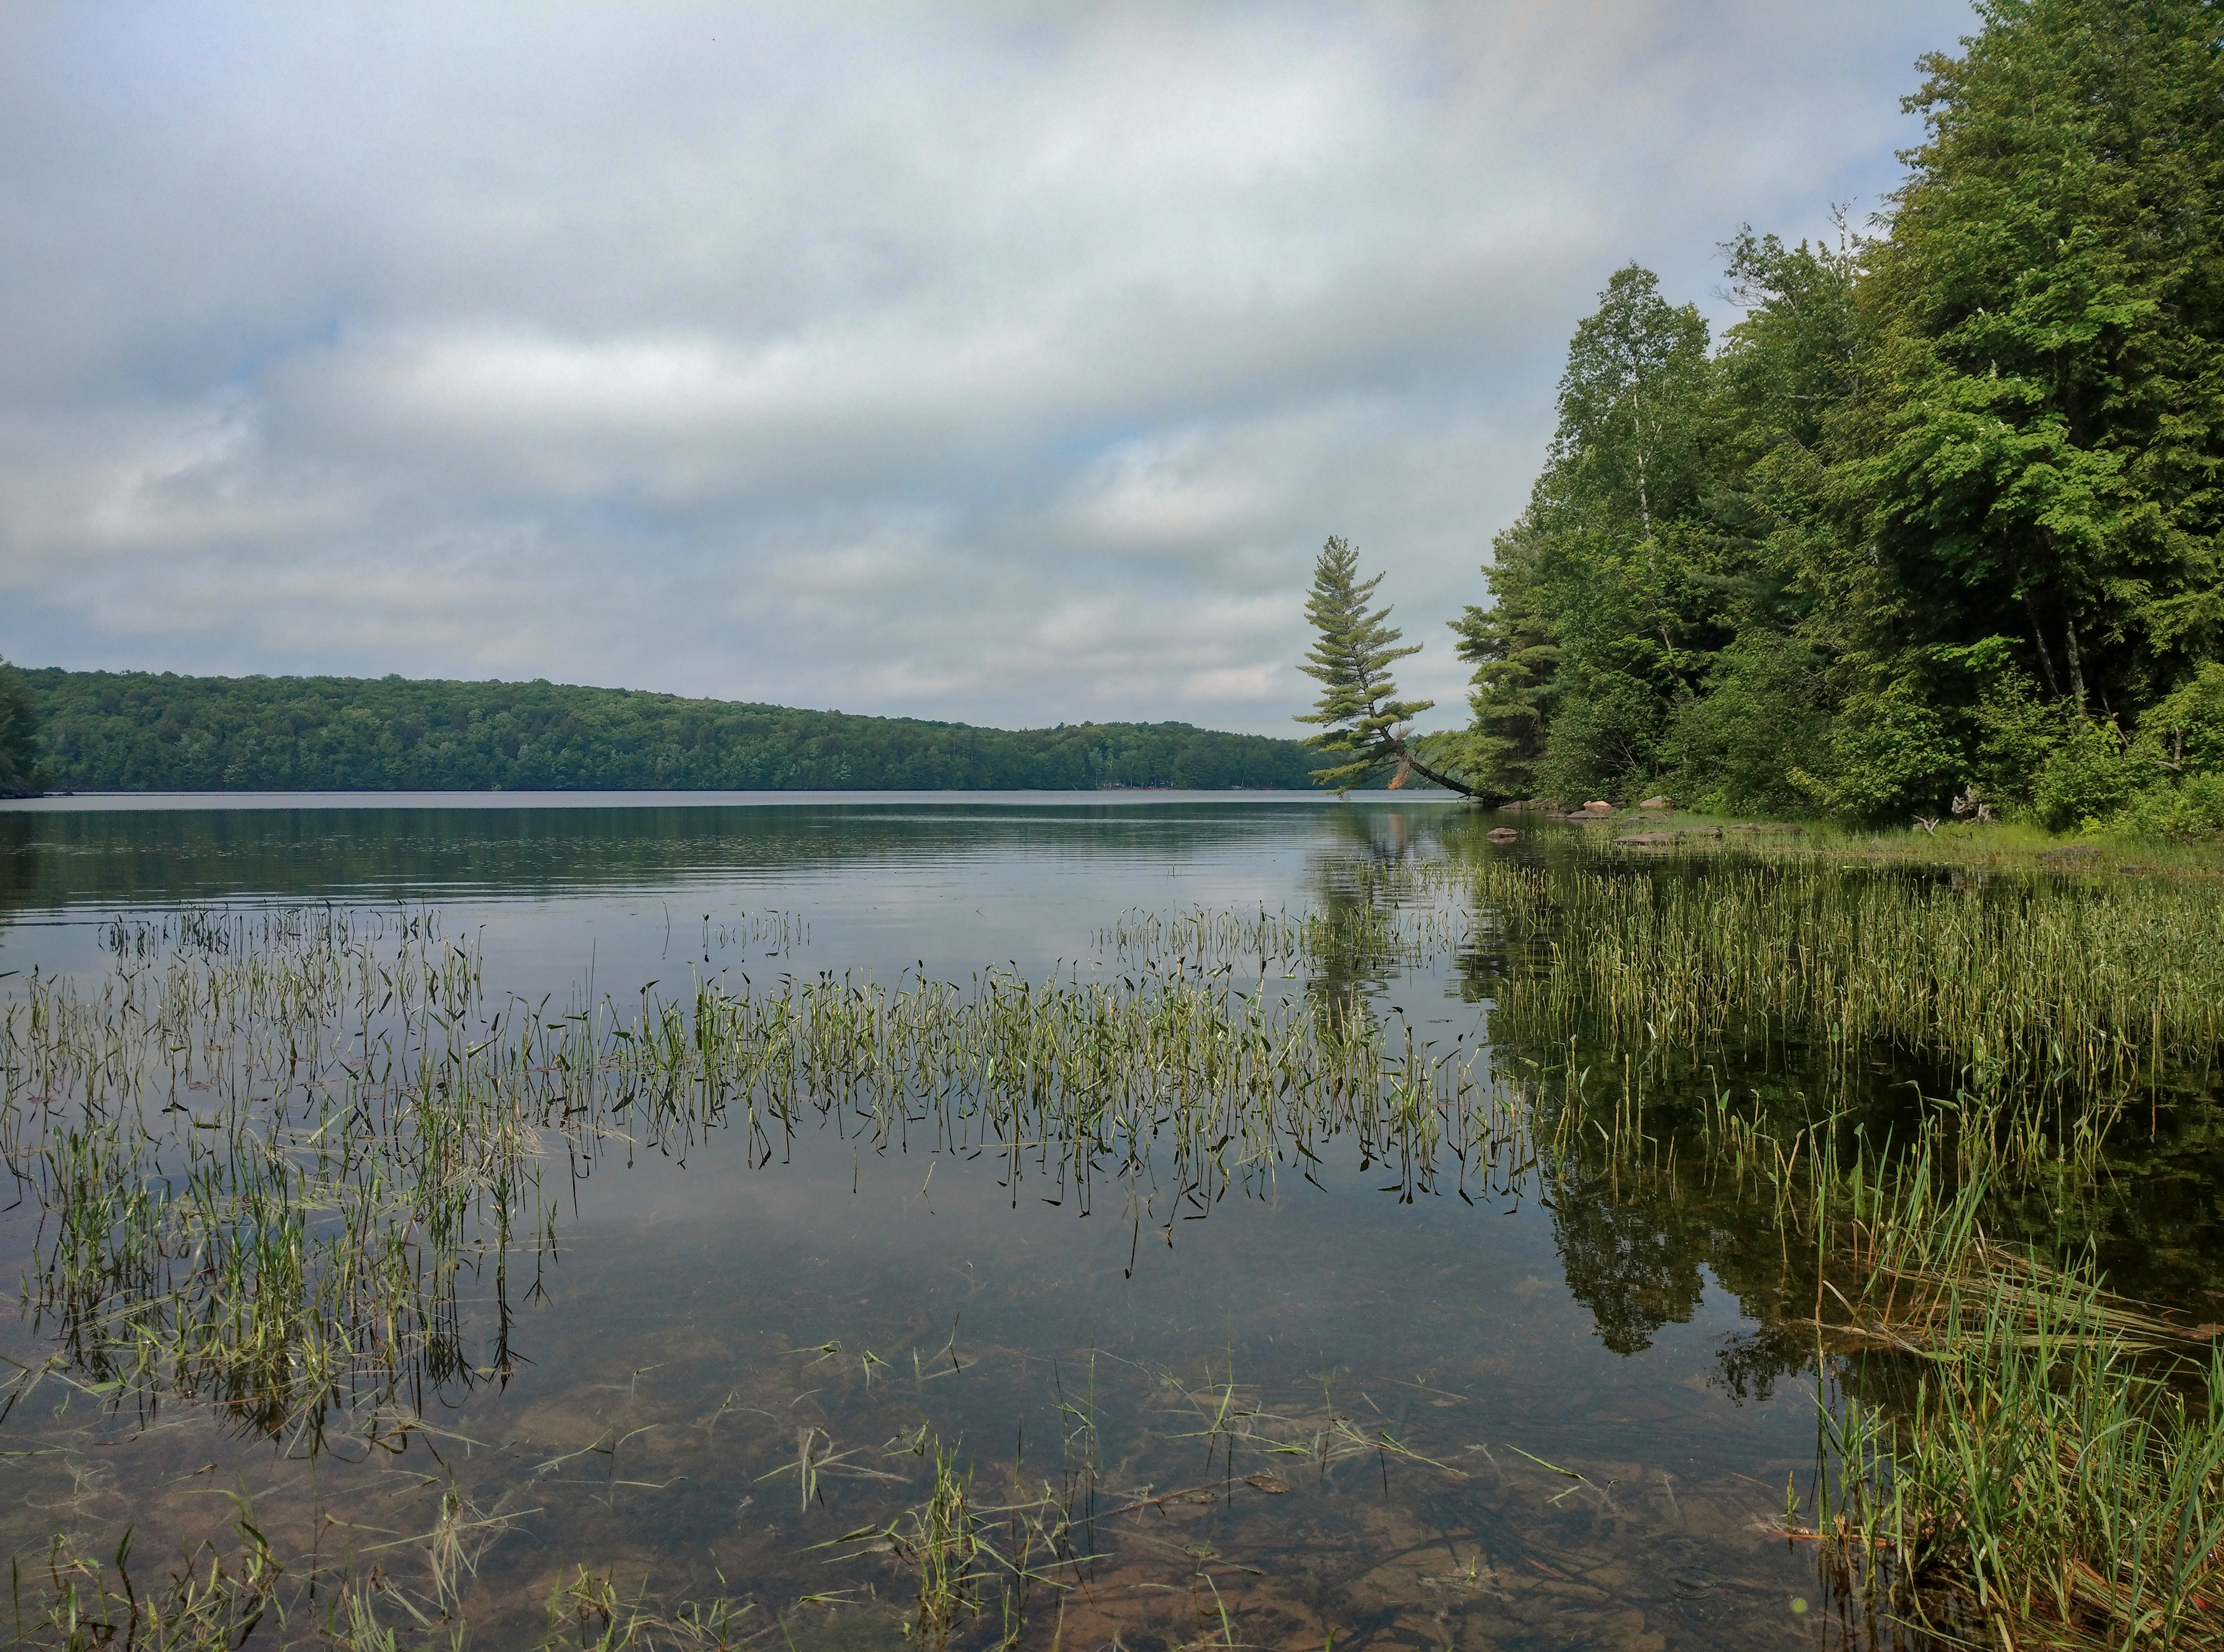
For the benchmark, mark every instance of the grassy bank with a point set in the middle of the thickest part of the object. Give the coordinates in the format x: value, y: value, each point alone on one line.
x: 2015, y: 845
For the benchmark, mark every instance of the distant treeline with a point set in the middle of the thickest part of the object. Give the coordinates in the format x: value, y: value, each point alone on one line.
x: 141, y: 730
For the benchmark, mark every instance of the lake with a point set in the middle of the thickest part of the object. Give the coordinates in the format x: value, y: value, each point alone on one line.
x: 1329, y: 1385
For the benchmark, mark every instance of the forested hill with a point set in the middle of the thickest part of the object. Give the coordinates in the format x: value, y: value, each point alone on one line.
x: 141, y: 730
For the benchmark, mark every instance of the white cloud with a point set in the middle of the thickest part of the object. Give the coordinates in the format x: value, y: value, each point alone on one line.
x: 1005, y: 362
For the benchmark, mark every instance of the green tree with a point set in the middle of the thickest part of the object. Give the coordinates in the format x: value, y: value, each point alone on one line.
x: 1511, y: 647
x: 2024, y: 466
x: 2044, y: 443
x: 1766, y: 700
x: 1603, y: 617
x: 1947, y: 509
x: 1358, y: 712
x: 1625, y: 452
x: 20, y: 771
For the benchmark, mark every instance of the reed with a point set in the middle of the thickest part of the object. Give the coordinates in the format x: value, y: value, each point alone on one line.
x: 209, y: 1604
x: 2007, y: 1452
x: 214, y: 1602
x: 268, y: 1163
x: 1412, y: 932
x: 2097, y: 990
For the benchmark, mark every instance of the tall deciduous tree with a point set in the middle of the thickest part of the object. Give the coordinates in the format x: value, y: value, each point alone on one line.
x: 1358, y: 712
x: 1603, y: 620
x: 2043, y: 446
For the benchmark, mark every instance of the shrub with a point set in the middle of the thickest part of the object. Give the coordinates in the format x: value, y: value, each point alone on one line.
x: 2193, y: 807
x: 1889, y: 754
x: 1733, y: 744
x: 2089, y: 777
x: 2187, y: 728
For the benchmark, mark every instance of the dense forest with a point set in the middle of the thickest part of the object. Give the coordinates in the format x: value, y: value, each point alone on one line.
x: 20, y: 773
x: 138, y: 730
x: 1934, y: 525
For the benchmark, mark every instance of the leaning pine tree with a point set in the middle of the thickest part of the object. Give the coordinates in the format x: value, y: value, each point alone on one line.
x: 1360, y: 714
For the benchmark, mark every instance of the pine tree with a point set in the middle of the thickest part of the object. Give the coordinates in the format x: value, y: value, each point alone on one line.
x: 1510, y: 644
x: 1359, y: 711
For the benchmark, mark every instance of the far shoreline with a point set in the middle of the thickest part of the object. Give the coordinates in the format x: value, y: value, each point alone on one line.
x: 87, y: 802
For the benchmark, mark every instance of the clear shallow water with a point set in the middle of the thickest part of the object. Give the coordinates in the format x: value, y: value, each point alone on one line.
x: 699, y: 1319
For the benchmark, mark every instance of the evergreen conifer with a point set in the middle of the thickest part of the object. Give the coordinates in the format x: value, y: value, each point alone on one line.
x: 1359, y: 711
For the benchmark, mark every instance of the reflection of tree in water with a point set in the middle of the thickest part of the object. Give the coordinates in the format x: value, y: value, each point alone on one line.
x: 1633, y: 1243
x: 1632, y: 1256
x: 1353, y: 876
x: 14, y: 861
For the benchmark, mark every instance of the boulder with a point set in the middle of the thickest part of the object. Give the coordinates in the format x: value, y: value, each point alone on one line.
x: 1598, y: 806
x: 1503, y: 835
x: 1656, y: 802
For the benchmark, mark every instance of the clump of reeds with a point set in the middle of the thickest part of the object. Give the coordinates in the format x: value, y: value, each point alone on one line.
x: 2020, y: 984
x: 2012, y: 1451
x: 74, y: 1603
x: 1408, y: 934
x: 69, y: 1601
x: 2050, y: 1479
x: 965, y: 1557
x: 269, y: 1157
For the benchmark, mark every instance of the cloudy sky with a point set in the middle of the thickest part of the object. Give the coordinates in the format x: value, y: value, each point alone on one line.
x: 999, y: 363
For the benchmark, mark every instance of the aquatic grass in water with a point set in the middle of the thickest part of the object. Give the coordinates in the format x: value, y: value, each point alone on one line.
x: 2012, y: 1453
x: 265, y: 1162
x: 2099, y: 992
x: 264, y: 1169
x: 1411, y: 933
x: 2049, y: 1479
x: 2048, y: 1465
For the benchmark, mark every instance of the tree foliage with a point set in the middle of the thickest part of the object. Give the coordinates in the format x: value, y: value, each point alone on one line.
x: 131, y: 731
x: 1942, y: 510
x: 20, y: 772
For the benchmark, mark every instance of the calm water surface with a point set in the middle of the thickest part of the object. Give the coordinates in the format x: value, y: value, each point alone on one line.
x: 1583, y: 1456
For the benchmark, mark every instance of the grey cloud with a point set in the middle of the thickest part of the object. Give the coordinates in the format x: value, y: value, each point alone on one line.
x: 998, y: 362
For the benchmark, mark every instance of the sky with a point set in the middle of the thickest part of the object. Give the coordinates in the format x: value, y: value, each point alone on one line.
x: 1005, y: 363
